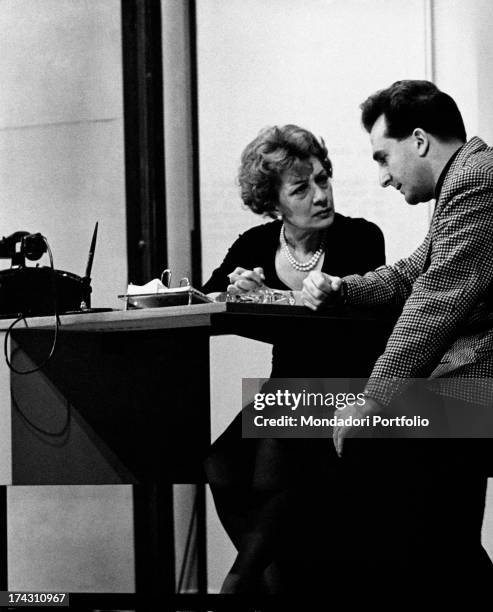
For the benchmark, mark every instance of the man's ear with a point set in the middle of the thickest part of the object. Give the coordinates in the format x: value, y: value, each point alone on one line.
x: 421, y: 141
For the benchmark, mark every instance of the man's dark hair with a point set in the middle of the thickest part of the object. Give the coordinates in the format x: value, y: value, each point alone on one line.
x: 407, y: 105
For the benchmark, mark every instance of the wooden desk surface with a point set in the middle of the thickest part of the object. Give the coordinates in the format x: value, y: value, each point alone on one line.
x: 223, y: 317
x: 198, y: 315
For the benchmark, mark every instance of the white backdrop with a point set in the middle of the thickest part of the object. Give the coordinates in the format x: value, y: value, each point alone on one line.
x: 309, y: 63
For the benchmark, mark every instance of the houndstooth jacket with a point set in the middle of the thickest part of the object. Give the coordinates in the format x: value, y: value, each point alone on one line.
x: 445, y: 286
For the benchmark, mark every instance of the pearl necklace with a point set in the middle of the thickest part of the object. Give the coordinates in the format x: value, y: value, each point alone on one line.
x: 298, y: 265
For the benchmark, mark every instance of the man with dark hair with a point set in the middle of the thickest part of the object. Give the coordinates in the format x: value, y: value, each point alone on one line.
x: 445, y: 289
x: 407, y: 104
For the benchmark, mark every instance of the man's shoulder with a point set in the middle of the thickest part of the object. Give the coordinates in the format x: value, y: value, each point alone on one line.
x: 471, y: 174
x: 475, y: 160
x: 475, y: 178
x: 480, y: 165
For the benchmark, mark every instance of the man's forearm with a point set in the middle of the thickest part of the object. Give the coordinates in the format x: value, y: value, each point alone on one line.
x: 387, y: 284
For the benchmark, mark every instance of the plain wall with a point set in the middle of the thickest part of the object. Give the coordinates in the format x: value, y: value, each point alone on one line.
x: 61, y: 170
x: 177, y: 135
x: 312, y: 64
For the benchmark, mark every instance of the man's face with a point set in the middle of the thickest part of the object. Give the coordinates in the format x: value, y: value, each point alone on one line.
x: 401, y: 164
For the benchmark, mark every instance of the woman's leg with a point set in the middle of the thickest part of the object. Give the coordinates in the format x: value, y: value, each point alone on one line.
x: 268, y: 495
x: 248, y: 481
x: 229, y: 469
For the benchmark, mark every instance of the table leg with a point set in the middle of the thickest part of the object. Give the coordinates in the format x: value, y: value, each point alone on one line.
x: 154, y: 545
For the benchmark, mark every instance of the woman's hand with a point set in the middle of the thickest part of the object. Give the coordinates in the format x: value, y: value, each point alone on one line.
x: 242, y: 281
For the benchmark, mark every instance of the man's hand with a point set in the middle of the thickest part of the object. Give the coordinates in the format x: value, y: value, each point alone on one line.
x: 342, y: 432
x: 320, y: 288
x: 242, y: 280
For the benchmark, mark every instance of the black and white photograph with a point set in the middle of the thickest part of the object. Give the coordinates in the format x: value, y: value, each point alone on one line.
x: 246, y: 304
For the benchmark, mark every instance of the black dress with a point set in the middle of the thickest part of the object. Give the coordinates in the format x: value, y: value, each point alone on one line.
x: 353, y: 246
x: 259, y: 484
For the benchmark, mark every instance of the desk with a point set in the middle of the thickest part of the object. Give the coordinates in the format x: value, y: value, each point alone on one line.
x: 126, y: 397
x: 108, y: 366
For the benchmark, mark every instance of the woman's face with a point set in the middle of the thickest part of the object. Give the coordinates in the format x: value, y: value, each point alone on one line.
x: 305, y: 196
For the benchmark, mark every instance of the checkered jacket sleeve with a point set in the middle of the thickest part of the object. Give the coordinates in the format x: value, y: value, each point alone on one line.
x: 441, y: 298
x: 387, y: 284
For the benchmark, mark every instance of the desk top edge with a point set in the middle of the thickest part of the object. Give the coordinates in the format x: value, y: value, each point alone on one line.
x: 120, y: 320
x: 196, y: 315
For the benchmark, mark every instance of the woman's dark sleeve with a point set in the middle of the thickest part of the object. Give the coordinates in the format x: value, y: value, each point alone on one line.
x: 236, y: 256
x: 373, y: 247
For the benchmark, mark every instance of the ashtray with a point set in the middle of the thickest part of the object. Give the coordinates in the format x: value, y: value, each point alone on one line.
x: 180, y: 296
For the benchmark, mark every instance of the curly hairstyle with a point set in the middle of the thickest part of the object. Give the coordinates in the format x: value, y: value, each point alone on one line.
x: 275, y: 150
x: 410, y: 104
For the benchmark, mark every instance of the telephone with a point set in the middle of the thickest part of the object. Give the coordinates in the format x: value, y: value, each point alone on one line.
x: 40, y: 290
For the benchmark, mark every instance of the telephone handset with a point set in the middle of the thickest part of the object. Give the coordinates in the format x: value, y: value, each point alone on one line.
x: 40, y: 290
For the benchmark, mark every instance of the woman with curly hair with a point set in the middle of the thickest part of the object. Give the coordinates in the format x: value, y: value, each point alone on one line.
x: 285, y: 174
